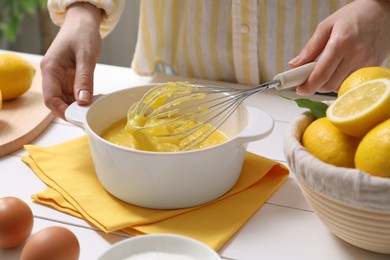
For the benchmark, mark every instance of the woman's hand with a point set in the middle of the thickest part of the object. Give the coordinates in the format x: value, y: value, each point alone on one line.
x: 69, y: 64
x: 355, y: 36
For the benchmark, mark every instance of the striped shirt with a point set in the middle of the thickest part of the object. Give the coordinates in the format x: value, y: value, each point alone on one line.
x: 244, y: 41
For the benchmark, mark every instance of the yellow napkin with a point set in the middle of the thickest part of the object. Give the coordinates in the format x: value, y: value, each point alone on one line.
x: 73, y: 188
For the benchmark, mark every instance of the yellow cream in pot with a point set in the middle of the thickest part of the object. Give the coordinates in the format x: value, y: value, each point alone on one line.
x: 118, y: 135
x: 156, y: 122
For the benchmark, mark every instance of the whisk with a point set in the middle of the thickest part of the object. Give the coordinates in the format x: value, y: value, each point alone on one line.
x: 205, y: 107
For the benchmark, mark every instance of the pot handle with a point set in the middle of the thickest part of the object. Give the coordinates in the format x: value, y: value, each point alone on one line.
x: 260, y: 126
x: 77, y: 115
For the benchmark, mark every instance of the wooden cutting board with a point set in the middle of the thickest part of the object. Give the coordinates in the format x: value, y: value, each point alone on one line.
x: 24, y: 118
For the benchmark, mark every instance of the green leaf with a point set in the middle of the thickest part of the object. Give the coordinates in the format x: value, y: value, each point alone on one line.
x: 12, y: 14
x: 317, y: 108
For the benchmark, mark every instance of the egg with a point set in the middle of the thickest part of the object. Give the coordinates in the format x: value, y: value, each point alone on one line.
x: 16, y: 222
x: 52, y: 243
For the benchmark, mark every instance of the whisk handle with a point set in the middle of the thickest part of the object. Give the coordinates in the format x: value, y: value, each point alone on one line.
x: 294, y: 77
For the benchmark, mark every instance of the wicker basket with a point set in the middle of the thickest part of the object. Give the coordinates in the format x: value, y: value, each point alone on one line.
x: 352, y: 204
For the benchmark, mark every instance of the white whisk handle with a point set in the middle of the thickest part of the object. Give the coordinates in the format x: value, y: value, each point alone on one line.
x: 294, y: 77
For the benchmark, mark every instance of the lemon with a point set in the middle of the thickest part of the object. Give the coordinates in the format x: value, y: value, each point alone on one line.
x: 362, y: 75
x: 373, y: 153
x: 326, y: 142
x: 16, y: 75
x: 361, y: 108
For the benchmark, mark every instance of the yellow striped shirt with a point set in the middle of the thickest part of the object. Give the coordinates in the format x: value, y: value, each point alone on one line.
x: 113, y: 10
x: 244, y: 41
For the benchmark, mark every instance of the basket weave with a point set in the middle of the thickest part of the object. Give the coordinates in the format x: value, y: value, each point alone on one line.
x: 355, y: 206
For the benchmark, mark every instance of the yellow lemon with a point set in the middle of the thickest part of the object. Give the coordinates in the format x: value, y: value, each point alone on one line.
x: 16, y: 75
x: 373, y: 153
x: 361, y: 108
x: 326, y: 142
x: 362, y: 75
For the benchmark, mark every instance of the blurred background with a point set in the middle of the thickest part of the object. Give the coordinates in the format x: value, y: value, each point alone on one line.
x: 25, y: 26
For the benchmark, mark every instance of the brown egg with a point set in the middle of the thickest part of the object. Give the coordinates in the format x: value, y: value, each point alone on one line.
x: 16, y: 222
x: 52, y: 243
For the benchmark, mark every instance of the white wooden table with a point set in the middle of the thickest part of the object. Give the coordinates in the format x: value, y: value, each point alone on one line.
x: 285, y: 227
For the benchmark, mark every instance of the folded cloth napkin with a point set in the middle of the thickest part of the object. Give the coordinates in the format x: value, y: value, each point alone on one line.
x: 73, y: 188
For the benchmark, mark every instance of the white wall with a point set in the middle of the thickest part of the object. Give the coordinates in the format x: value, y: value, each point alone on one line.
x: 118, y: 46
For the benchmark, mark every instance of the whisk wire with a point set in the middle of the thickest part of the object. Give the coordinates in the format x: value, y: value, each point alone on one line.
x: 212, y: 128
x: 203, y: 117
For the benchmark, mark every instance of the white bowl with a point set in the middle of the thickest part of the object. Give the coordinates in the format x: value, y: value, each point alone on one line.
x: 352, y: 204
x: 163, y: 245
x: 164, y: 180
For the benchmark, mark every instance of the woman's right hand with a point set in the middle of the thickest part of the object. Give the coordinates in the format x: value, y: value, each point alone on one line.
x: 355, y: 36
x: 69, y: 64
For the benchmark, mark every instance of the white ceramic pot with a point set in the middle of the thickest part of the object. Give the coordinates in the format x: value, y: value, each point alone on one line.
x: 165, y: 180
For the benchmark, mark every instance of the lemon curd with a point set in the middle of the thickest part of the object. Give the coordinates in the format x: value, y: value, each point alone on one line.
x: 119, y: 135
x: 157, y: 123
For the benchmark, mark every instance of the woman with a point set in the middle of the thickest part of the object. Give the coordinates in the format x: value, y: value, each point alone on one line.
x: 244, y: 41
